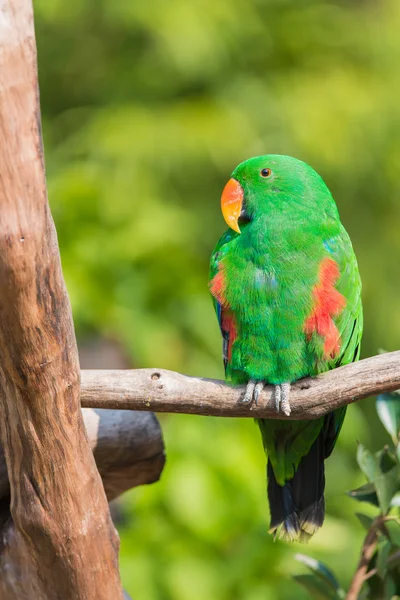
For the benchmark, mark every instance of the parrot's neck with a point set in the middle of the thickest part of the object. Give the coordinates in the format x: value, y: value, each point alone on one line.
x: 265, y: 231
x: 275, y: 240
x: 285, y: 230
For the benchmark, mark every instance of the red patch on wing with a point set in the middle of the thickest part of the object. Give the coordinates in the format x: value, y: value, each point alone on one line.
x: 328, y: 303
x: 218, y: 286
x: 228, y: 321
x: 228, y: 325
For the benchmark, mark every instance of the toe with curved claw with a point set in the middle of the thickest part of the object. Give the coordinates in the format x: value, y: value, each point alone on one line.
x: 253, y: 391
x: 282, y: 395
x: 249, y: 394
x: 282, y: 398
x: 257, y: 390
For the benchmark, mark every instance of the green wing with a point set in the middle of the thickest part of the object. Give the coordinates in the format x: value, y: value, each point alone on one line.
x: 287, y: 442
x: 349, y: 323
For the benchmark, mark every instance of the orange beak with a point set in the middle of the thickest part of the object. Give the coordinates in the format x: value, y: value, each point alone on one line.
x: 231, y: 203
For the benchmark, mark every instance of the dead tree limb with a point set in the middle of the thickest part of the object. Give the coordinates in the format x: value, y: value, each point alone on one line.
x: 127, y: 447
x: 59, y: 538
x: 159, y: 390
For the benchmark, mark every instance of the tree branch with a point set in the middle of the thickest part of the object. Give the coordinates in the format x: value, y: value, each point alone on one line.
x: 367, y: 552
x: 159, y: 390
x: 127, y: 446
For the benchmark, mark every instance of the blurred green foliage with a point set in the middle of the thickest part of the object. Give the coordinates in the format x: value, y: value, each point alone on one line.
x: 147, y: 108
x: 381, y: 580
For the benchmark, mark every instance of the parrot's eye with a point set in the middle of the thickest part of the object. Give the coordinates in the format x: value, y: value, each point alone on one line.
x: 265, y: 173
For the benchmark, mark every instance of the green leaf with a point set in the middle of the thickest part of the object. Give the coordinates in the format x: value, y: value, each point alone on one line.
x: 393, y: 528
x: 382, y: 470
x: 394, y: 560
x: 374, y: 464
x: 395, y: 500
x: 388, y: 409
x: 365, y: 493
x: 386, y: 486
x: 320, y: 570
x: 384, y: 547
x: 317, y: 587
x: 378, y: 588
x: 387, y: 460
x: 390, y: 588
x: 366, y: 462
x: 365, y: 521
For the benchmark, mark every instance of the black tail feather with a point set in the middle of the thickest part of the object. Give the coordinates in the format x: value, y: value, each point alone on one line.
x: 298, y: 508
x: 284, y: 516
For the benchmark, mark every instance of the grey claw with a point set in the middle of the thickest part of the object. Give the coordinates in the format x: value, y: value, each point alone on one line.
x: 248, y: 397
x: 282, y: 395
x: 285, y: 402
x: 277, y: 398
x: 258, y: 389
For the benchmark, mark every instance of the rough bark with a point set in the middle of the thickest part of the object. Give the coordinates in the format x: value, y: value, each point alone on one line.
x: 127, y: 447
x: 58, y: 541
x: 165, y: 391
x: 129, y: 450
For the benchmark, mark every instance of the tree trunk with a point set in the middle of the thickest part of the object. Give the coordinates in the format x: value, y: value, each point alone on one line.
x: 58, y: 541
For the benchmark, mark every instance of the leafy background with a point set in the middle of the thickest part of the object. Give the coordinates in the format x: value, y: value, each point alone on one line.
x: 147, y: 108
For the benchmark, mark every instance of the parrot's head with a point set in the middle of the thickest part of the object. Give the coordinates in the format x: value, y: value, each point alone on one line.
x: 266, y: 185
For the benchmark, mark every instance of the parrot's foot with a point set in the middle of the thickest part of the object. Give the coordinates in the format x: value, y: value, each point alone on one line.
x: 282, y: 393
x: 253, y: 391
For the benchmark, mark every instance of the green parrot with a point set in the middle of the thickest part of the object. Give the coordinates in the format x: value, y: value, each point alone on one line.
x: 287, y: 294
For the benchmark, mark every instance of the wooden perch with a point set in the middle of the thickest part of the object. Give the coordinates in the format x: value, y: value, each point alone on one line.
x: 57, y: 539
x: 165, y: 391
